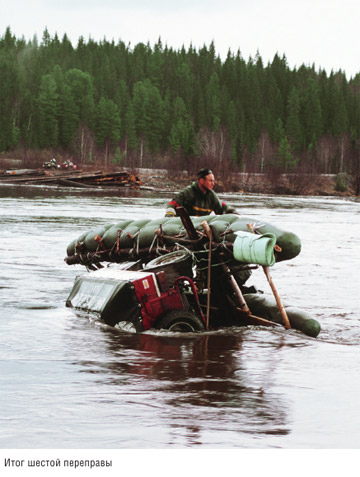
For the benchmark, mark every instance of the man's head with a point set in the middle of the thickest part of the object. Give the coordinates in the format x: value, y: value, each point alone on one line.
x: 206, y: 180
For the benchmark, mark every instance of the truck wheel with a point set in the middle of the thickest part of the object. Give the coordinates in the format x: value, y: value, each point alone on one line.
x: 180, y: 321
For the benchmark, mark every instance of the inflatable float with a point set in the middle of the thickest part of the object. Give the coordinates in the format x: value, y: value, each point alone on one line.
x: 183, y: 274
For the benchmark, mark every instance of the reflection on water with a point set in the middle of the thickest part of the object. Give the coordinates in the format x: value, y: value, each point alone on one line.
x: 197, y: 380
x: 69, y: 381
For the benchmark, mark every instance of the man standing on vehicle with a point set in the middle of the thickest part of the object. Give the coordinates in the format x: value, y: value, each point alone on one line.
x: 199, y: 198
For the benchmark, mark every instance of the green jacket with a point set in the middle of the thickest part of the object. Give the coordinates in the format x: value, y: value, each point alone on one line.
x: 195, y: 202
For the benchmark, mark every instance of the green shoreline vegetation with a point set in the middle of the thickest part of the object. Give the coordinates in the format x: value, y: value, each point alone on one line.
x: 104, y: 103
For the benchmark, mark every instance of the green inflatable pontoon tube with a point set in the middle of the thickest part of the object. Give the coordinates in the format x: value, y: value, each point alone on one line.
x: 252, y: 248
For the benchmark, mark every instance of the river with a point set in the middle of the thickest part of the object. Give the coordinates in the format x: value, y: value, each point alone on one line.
x: 70, y: 382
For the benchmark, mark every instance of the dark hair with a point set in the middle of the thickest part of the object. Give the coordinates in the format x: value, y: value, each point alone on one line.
x: 203, y: 172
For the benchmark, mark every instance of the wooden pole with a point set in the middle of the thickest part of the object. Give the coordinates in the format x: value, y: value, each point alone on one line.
x: 187, y: 222
x: 239, y: 296
x: 284, y: 316
x: 208, y: 233
x: 283, y: 313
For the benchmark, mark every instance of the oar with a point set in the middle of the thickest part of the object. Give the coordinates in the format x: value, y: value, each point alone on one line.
x: 208, y: 233
x: 283, y: 313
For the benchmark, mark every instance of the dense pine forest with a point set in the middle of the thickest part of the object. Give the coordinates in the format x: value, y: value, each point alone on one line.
x: 153, y: 106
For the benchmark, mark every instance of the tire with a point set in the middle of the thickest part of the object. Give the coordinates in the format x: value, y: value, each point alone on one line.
x: 174, y: 264
x: 169, y: 259
x: 180, y: 321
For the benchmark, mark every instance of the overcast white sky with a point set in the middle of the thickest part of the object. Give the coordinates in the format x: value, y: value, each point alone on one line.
x: 323, y: 32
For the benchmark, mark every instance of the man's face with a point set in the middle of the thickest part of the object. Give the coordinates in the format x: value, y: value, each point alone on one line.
x: 207, y: 182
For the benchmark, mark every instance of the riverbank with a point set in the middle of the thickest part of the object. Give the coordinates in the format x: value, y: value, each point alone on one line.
x: 339, y: 185
x: 283, y: 184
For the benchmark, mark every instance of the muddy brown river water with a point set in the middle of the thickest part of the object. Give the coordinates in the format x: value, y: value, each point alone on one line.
x: 70, y: 382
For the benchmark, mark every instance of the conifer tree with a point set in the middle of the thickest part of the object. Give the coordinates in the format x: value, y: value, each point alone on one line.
x: 285, y: 159
x: 68, y: 111
x: 213, y: 103
x: 293, y: 123
x: 48, y: 112
x: 311, y: 114
x: 82, y: 90
x: 140, y: 107
x: 148, y: 109
x: 107, y: 125
x: 154, y: 115
x: 9, y: 91
x: 231, y: 126
x: 181, y: 135
x: 69, y: 119
x: 130, y: 129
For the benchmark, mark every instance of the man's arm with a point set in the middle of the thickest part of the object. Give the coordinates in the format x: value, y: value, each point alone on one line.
x: 181, y: 199
x: 170, y: 209
x: 227, y: 209
x: 222, y: 207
